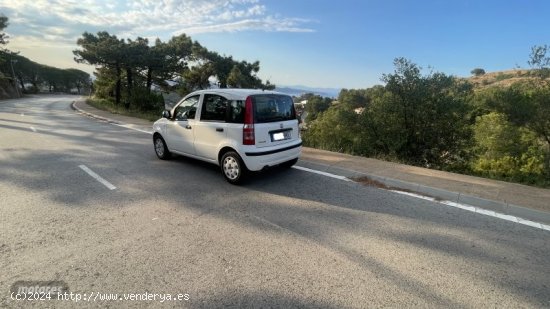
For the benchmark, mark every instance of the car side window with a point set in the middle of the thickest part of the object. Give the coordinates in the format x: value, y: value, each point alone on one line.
x: 214, y: 108
x: 187, y: 109
x: 235, y: 113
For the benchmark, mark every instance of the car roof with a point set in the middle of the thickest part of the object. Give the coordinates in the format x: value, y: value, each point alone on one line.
x: 235, y: 93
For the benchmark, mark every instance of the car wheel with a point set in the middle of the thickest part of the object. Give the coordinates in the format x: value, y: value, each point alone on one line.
x: 160, y: 148
x: 233, y: 168
x: 289, y: 164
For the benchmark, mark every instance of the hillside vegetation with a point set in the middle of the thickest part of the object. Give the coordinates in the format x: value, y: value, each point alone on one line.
x: 20, y: 75
x: 502, y: 78
x: 493, y: 125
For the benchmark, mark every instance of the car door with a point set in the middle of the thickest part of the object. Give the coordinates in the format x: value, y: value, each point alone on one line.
x: 210, y: 129
x: 180, y: 130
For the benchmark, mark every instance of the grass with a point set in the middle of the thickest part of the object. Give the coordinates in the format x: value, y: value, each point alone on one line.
x: 109, y: 106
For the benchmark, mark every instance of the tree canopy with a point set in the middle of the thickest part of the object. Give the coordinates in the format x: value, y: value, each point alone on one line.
x: 127, y: 67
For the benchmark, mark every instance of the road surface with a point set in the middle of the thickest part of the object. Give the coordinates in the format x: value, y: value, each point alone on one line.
x: 285, y: 239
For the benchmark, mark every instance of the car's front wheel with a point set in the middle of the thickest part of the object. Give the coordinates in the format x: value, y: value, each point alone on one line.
x: 160, y: 148
x: 233, y: 168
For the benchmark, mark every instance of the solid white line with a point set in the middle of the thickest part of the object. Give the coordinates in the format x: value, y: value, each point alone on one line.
x: 321, y: 173
x: 466, y: 207
x: 33, y: 129
x: 489, y: 213
x: 97, y: 177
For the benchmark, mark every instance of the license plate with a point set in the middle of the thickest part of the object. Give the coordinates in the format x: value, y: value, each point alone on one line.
x: 279, y: 136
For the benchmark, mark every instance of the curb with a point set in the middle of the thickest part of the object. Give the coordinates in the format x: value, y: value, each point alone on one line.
x: 457, y: 197
x: 76, y: 108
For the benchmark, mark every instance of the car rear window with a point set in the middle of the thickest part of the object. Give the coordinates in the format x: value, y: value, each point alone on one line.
x: 272, y: 107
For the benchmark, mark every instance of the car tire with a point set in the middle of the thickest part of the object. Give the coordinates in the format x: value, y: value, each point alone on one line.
x: 289, y: 164
x: 233, y: 168
x: 160, y: 148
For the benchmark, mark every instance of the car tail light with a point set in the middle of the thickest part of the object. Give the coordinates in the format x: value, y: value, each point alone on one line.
x: 248, y: 128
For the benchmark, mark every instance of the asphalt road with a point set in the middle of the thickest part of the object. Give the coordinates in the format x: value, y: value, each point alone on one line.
x: 285, y: 239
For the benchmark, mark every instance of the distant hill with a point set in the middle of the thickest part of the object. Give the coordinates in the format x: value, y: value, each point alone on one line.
x: 299, y: 90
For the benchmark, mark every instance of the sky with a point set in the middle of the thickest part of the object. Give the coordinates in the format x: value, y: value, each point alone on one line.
x: 316, y: 43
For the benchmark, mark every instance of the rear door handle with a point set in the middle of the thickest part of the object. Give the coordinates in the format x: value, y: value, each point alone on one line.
x: 219, y: 129
x: 188, y: 127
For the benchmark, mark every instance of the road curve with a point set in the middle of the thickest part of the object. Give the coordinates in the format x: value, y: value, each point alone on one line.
x: 285, y: 239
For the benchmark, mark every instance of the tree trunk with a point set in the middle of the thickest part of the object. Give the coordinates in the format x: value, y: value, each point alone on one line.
x: 21, y: 83
x: 118, y: 84
x: 149, y: 79
x: 129, y: 87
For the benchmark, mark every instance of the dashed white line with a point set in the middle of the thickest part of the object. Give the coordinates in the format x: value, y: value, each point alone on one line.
x: 33, y: 129
x: 97, y: 177
x: 322, y: 173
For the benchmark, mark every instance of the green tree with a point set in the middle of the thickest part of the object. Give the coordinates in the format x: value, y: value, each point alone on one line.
x: 196, y: 78
x: 236, y: 79
x: 315, y: 106
x: 334, y: 130
x: 477, y: 72
x: 421, y: 119
x: 524, y: 103
x: 507, y: 151
x: 104, y: 50
x: 540, y: 61
x: 354, y: 97
x: 3, y: 25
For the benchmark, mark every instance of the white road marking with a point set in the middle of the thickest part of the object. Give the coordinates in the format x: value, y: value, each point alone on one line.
x: 489, y: 213
x: 131, y: 128
x: 33, y: 129
x: 321, y: 173
x: 97, y: 177
x: 22, y: 115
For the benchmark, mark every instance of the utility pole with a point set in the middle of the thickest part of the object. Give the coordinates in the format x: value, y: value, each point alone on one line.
x: 14, y: 78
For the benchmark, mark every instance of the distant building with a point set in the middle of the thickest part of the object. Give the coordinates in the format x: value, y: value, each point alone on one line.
x: 359, y: 110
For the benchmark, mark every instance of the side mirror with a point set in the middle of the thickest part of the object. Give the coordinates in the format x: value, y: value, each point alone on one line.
x: 166, y: 114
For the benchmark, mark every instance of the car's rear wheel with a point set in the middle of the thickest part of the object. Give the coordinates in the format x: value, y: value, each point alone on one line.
x: 160, y: 148
x: 233, y: 168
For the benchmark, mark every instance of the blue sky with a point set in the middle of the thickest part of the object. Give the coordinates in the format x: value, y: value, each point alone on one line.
x: 345, y: 43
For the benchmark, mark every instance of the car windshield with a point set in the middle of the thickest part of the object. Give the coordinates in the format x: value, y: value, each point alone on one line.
x: 273, y: 107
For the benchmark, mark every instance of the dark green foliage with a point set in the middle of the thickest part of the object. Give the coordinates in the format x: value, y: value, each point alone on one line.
x: 3, y: 25
x: 316, y: 105
x: 478, y: 72
x: 354, y: 98
x: 507, y: 151
x: 414, y: 118
x: 145, y: 101
x: 43, y: 77
x: 421, y: 119
x: 127, y: 70
x: 334, y: 130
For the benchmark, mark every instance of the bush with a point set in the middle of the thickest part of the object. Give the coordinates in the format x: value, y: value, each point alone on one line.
x: 506, y: 151
x: 143, y: 101
x: 478, y: 72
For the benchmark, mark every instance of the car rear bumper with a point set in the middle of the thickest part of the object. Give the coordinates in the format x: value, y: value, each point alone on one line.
x: 258, y: 160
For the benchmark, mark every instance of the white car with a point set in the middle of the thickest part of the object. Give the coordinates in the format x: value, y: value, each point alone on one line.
x: 240, y: 130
